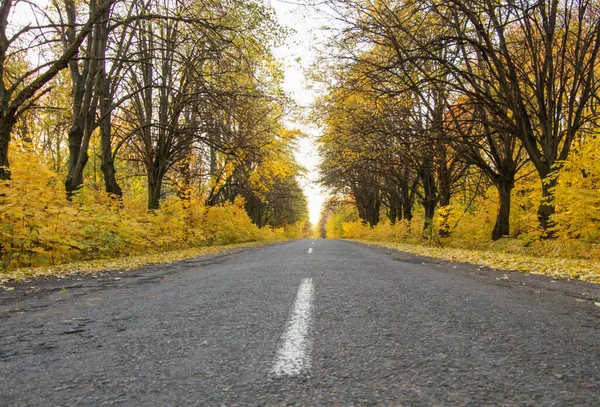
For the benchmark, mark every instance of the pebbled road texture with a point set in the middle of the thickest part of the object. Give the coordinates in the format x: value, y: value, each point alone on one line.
x: 387, y: 328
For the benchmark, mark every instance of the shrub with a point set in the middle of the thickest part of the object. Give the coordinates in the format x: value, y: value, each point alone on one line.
x: 38, y: 226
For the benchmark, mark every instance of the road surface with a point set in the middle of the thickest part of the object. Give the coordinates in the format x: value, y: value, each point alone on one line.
x: 307, y: 323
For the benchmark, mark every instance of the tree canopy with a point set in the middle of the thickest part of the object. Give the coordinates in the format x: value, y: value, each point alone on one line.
x: 425, y: 97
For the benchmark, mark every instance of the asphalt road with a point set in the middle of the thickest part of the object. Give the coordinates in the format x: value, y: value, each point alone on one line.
x: 311, y: 322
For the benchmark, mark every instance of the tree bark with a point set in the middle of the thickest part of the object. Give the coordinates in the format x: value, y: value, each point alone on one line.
x: 111, y: 185
x: 408, y: 200
x: 372, y: 211
x: 155, y: 180
x: 547, y: 206
x: 368, y: 203
x: 6, y: 125
x: 502, y: 226
x: 105, y: 107
x: 85, y: 103
x: 430, y: 193
x: 393, y: 213
x: 73, y: 182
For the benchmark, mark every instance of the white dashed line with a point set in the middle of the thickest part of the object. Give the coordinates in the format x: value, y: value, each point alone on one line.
x: 310, y: 250
x: 292, y: 357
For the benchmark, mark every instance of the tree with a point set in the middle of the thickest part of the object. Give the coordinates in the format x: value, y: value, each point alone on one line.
x: 539, y: 76
x: 19, y: 91
x: 349, y: 149
x: 415, y: 97
x: 500, y: 156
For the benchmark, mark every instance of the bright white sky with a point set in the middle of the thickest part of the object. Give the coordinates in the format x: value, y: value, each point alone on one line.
x: 297, y: 55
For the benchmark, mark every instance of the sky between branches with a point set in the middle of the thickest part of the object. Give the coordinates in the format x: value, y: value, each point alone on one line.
x: 297, y: 55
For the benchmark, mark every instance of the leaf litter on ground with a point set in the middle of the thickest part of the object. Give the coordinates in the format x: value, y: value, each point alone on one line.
x: 93, y: 267
x: 573, y: 269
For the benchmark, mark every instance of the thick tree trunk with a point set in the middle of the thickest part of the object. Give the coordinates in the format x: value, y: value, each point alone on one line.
x: 445, y: 196
x: 395, y: 206
x: 408, y: 199
x: 74, y: 179
x: 105, y: 105
x: 155, y: 174
x: 368, y: 202
x: 6, y: 125
x: 108, y: 164
x: 372, y: 212
x: 108, y: 169
x: 85, y: 103
x: 154, y: 191
x: 361, y: 209
x: 79, y: 142
x: 502, y: 226
x: 407, y: 213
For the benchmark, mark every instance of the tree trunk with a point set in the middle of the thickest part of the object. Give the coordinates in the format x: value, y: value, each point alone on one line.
x: 108, y: 164
x: 547, y: 206
x: 430, y: 195
x: 372, y: 211
x: 408, y: 200
x: 445, y: 195
x: 85, y: 103
x: 368, y: 203
x: 429, y: 207
x: 105, y: 106
x: 108, y: 169
x: 74, y: 179
x: 407, y: 213
x: 393, y: 213
x: 395, y: 204
x: 6, y: 125
x: 502, y: 226
x: 154, y: 191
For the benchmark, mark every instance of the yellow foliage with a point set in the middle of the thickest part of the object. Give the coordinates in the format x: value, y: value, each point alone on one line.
x: 230, y: 224
x: 354, y: 230
x: 578, y: 194
x: 295, y: 231
x: 39, y: 227
x: 572, y: 254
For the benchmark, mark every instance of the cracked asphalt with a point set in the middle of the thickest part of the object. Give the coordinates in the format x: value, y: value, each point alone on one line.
x: 387, y: 328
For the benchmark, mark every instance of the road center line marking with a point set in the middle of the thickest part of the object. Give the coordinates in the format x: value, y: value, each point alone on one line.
x: 292, y: 357
x: 310, y: 250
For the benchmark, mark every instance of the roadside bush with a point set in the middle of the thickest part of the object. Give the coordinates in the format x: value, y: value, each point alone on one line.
x: 38, y: 226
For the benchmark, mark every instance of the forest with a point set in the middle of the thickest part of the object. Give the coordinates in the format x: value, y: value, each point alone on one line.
x: 142, y: 126
x: 468, y: 124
